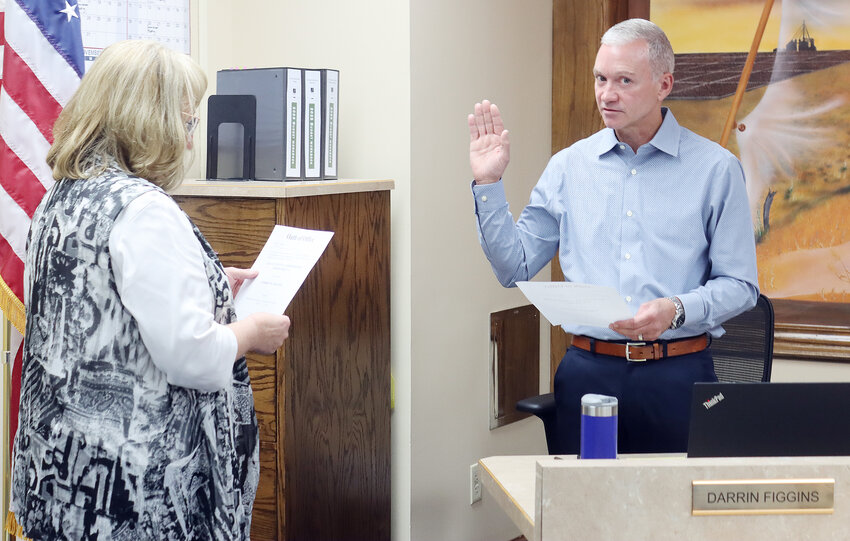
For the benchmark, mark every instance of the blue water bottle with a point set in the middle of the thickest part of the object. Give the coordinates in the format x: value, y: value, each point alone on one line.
x: 598, y: 426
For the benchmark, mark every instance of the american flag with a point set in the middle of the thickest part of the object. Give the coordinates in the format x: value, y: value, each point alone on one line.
x: 42, y: 66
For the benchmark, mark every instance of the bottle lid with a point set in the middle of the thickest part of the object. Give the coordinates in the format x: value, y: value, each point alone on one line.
x: 598, y: 405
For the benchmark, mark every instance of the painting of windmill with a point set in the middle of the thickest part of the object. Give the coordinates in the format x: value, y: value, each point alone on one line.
x: 787, y: 120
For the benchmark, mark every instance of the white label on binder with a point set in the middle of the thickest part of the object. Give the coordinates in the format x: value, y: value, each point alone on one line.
x: 293, y: 123
x: 332, y: 128
x: 312, y: 123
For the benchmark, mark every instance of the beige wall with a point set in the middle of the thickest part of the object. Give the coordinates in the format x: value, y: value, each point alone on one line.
x: 784, y: 370
x: 462, y: 52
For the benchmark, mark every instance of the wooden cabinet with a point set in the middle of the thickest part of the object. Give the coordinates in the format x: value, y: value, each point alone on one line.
x: 323, y: 400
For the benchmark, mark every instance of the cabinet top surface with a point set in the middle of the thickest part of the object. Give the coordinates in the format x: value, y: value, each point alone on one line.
x: 270, y: 189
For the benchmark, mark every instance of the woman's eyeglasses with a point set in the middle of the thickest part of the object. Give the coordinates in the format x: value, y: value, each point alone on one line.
x: 192, y: 123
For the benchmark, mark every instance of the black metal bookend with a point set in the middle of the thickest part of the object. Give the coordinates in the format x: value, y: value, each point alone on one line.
x: 235, y: 109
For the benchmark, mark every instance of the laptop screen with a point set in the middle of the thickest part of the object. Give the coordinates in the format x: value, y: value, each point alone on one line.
x: 770, y: 419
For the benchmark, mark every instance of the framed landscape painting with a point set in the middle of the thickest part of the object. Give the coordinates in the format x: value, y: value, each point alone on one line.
x: 791, y: 131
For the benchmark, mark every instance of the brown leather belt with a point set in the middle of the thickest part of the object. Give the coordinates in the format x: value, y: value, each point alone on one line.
x: 642, y: 351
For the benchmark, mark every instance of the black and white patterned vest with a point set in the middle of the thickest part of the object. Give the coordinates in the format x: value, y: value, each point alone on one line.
x: 106, y: 449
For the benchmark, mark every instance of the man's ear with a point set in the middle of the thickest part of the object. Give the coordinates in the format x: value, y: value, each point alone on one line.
x: 666, y: 86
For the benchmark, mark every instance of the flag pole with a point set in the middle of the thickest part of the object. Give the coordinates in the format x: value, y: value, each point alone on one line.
x: 745, y: 75
x: 6, y: 438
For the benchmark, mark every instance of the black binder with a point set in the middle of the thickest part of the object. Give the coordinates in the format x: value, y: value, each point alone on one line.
x: 278, y: 92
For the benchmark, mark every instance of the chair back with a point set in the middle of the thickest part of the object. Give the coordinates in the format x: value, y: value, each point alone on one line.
x: 745, y: 352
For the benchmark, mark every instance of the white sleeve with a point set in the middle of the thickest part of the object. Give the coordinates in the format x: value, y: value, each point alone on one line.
x: 159, y: 271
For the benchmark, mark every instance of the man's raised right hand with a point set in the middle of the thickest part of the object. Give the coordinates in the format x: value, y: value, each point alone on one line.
x: 489, y: 144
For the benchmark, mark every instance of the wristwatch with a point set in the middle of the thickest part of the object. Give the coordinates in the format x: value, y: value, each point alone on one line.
x: 679, y: 318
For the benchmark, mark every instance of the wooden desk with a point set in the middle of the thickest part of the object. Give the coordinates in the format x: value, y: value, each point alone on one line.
x: 323, y: 400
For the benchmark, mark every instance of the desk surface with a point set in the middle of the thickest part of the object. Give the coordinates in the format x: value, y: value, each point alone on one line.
x: 508, y: 480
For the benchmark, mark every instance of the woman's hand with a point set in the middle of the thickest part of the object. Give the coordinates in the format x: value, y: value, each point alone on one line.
x: 237, y: 276
x: 260, y: 332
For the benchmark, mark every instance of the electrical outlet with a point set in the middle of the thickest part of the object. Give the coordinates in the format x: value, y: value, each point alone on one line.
x: 474, y: 484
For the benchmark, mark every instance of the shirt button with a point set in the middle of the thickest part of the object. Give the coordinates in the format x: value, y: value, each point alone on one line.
x: 628, y: 213
x: 622, y: 147
x: 628, y: 256
x: 628, y: 299
x: 634, y: 171
x: 483, y: 198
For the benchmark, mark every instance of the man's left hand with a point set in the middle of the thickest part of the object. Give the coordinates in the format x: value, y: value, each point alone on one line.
x: 652, y: 319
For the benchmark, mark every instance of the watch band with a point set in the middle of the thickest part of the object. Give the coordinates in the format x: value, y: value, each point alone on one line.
x: 679, y: 317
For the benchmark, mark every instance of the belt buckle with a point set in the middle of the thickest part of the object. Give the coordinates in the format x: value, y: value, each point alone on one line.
x: 628, y: 353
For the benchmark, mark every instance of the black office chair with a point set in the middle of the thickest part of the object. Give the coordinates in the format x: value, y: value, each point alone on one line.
x: 743, y: 354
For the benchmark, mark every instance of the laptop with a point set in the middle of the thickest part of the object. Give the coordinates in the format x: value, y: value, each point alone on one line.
x: 770, y: 419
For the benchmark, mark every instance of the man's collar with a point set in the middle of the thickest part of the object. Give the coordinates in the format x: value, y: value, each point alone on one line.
x: 666, y: 139
x: 606, y: 141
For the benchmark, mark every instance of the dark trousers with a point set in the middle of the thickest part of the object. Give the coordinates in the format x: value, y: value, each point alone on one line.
x: 654, y: 398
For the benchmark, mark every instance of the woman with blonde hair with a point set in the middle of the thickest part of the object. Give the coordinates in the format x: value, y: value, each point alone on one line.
x: 137, y: 417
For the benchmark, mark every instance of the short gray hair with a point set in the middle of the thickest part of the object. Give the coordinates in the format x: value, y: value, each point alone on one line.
x: 659, y: 50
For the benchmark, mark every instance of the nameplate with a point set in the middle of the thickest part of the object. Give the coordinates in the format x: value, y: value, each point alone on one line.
x: 763, y: 497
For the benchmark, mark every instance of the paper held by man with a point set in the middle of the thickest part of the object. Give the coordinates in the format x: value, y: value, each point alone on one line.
x: 283, y: 265
x: 568, y: 303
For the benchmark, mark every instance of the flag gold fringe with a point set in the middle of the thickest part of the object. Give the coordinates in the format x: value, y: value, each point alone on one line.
x: 13, y: 528
x: 12, y: 307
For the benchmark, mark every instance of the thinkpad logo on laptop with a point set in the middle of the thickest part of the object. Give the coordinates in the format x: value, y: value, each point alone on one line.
x: 713, y: 400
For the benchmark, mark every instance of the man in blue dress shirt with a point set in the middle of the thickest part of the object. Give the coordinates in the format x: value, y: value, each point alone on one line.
x: 644, y: 206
